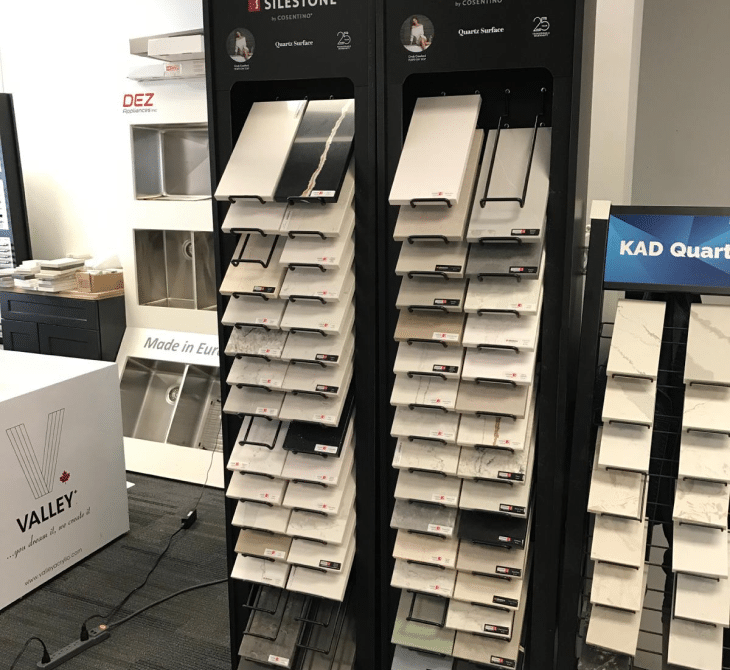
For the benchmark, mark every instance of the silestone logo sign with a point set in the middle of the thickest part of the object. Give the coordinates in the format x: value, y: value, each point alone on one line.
x: 258, y: 5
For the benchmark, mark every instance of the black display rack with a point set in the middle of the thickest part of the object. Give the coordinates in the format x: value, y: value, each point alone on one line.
x: 573, y: 651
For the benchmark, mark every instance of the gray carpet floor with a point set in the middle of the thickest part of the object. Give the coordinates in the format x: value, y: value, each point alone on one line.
x: 190, y: 631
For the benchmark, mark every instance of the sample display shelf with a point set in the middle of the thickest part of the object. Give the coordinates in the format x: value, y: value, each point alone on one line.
x: 646, y: 550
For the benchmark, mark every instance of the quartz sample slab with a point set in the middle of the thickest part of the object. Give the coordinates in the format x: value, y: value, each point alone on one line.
x: 617, y: 586
x: 263, y: 544
x: 431, y: 457
x: 244, y: 486
x: 502, y: 330
x: 325, y: 320
x: 424, y: 518
x: 615, y: 630
x: 314, y: 409
x: 330, y: 529
x: 500, y: 365
x: 430, y: 579
x: 410, y: 659
x: 306, y: 438
x: 487, y: 621
x: 433, y: 259
x: 620, y: 541
x: 701, y: 503
x: 495, y: 431
x: 629, y: 401
x: 492, y: 400
x: 316, y: 498
x: 708, y: 345
x: 428, y: 487
x: 431, y: 294
x: 423, y: 359
x: 705, y: 409
x: 257, y: 459
x: 252, y: 216
x: 625, y: 447
x: 637, y: 339
x: 430, y: 549
x: 320, y: 154
x: 329, y: 557
x: 495, y: 464
x: 252, y: 401
x: 330, y: 253
x: 424, y: 392
x: 430, y: 327
x: 705, y: 456
x: 257, y: 342
x: 312, y: 285
x: 259, y: 515
x: 253, y: 279
x: 253, y: 311
x: 504, y: 294
x: 436, y: 150
x: 423, y: 636
x: 332, y: 220
x: 315, y: 468
x: 261, y: 571
x: 498, y: 652
x: 330, y: 584
x: 702, y: 599
x: 695, y: 645
x: 261, y: 150
x: 517, y: 261
x: 329, y: 381
x: 425, y: 425
x: 514, y: 158
x: 488, y: 591
x: 616, y: 492
x: 700, y: 550
x: 258, y: 431
x: 257, y: 373
x: 491, y: 561
x: 498, y: 530
x: 446, y: 223
x: 317, y: 350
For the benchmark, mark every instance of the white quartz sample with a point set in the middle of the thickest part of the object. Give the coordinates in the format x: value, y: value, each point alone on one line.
x: 502, y: 330
x: 261, y: 571
x: 629, y: 401
x: 330, y: 253
x: 488, y: 621
x: 504, y: 294
x: 257, y: 372
x: 700, y: 550
x: 331, y: 584
x: 617, y: 586
x: 332, y: 529
x: 695, y: 645
x: 432, y: 549
x: 249, y: 310
x: 499, y: 364
x: 637, y: 339
x: 315, y: 468
x: 317, y: 286
x: 621, y: 541
x: 428, y: 391
x: 431, y: 294
x: 422, y: 517
x: 426, y: 456
x: 493, y: 464
x: 257, y: 459
x: 705, y: 456
x: 482, y: 559
x: 253, y: 401
x: 255, y: 341
x: 313, y: 409
x: 428, y: 487
x: 702, y: 599
x: 424, y: 578
x: 244, y: 486
x: 702, y: 503
x: 616, y: 492
x: 491, y: 431
x: 440, y: 427
x: 312, y: 496
x: 705, y: 408
x: 422, y: 357
x: 251, y: 514
x: 708, y: 345
x: 490, y: 591
x: 625, y: 447
x: 433, y: 259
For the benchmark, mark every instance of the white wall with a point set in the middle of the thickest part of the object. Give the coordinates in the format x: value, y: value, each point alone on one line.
x: 682, y: 133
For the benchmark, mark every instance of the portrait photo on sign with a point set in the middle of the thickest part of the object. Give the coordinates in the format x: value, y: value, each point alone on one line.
x: 416, y: 33
x: 240, y: 45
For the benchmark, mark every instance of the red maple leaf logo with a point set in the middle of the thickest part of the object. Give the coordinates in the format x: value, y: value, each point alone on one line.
x: 65, y: 477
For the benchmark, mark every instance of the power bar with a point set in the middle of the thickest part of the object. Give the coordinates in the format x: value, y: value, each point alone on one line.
x: 77, y: 647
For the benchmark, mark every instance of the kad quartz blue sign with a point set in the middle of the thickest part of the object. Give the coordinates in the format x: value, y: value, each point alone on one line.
x: 670, y: 250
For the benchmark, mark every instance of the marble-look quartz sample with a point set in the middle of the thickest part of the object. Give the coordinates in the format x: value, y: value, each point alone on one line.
x: 257, y: 459
x: 504, y: 365
x: 436, y: 150
x: 705, y: 409
x: 616, y: 492
x: 492, y: 400
x: 625, y: 447
x: 312, y: 285
x: 620, y: 541
x: 488, y: 591
x: 330, y: 584
x: 436, y: 259
x: 417, y: 635
x: 702, y: 599
x: 705, y: 456
x: 520, y: 261
x: 330, y: 253
x: 256, y: 341
x: 441, y: 427
x: 424, y: 518
x: 502, y: 330
x: 615, y: 630
x: 514, y: 157
x: 263, y: 544
x: 481, y: 559
x: 423, y: 578
x: 320, y: 153
x: 245, y: 486
x: 315, y: 468
x: 261, y: 150
x: 617, y: 586
x: 251, y: 514
x: 701, y: 503
x: 253, y: 402
x: 436, y: 327
x: 708, y: 345
x: 410, y: 659
x: 308, y: 438
x: 499, y: 530
x: 700, y: 550
x: 629, y: 401
x: 426, y: 456
x: 332, y: 529
x: 424, y: 392
x: 488, y: 621
x: 251, y: 215
x: 431, y: 294
x: 252, y: 311
x: 423, y: 359
x: 312, y: 347
x: 636, y: 339
x: 253, y: 278
x: 316, y: 498
x: 494, y: 431
x: 695, y: 645
x: 259, y: 431
x: 431, y: 549
x: 494, y: 464
x: 329, y: 380
x: 329, y: 221
x: 261, y: 571
x: 326, y: 320
x: 496, y: 651
x: 329, y: 557
x: 504, y: 294
x: 428, y: 487
x: 312, y: 408
x: 257, y: 373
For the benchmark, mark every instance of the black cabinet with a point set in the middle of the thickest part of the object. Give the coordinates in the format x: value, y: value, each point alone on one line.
x: 87, y: 326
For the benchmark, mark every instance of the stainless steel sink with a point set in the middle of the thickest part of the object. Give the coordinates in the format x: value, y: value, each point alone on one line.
x: 197, y: 420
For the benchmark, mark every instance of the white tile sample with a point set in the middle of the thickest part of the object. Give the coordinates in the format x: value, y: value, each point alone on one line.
x: 504, y: 294
x: 417, y: 635
x: 705, y: 408
x: 251, y: 215
x: 330, y: 529
x: 258, y: 488
x: 445, y: 329
x: 708, y: 345
x: 636, y: 339
x: 436, y: 150
x: 261, y: 571
x: 629, y: 401
x: 431, y: 293
x: 330, y: 470
x: 621, y: 541
x: 618, y: 586
x: 330, y: 381
x: 253, y: 401
x: 488, y: 621
x: 250, y: 514
x: 625, y: 447
x: 257, y: 460
x: 702, y: 599
x: 499, y: 364
x: 410, y: 659
x: 329, y: 557
x: 423, y: 578
x: 700, y: 550
x: 261, y: 150
x: 482, y: 559
x: 252, y: 311
x: 695, y: 645
x: 432, y: 519
x: 508, y: 219
x: 437, y: 259
x: 489, y: 591
x: 616, y: 492
x: 330, y: 253
x: 431, y: 549
x: 253, y: 278
x: 705, y: 456
x: 257, y: 373
x: 429, y: 456
x: 424, y: 392
x: 427, y: 487
x: 520, y: 262
x: 312, y: 285
x: 257, y: 342
x: 311, y: 496
x: 330, y: 585
x: 325, y: 320
x: 499, y: 329
x: 312, y: 347
x: 492, y: 399
x: 314, y: 409
x: 426, y: 425
x: 701, y: 503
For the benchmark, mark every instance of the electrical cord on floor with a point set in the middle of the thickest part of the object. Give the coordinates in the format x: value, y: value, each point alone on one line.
x: 46, y: 657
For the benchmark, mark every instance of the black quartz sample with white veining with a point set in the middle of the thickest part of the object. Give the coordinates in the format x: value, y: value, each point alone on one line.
x: 493, y: 529
x: 313, y: 438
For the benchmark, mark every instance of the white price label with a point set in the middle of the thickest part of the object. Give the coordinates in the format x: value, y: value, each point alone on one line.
x: 321, y: 194
x: 443, y: 434
x: 323, y: 418
x: 325, y: 449
x: 325, y: 507
x: 327, y: 325
x: 279, y: 660
x: 332, y: 295
x: 265, y: 320
x: 438, y: 588
x: 441, y: 560
x: 267, y: 411
x: 271, y: 353
x: 327, y: 259
x: 268, y: 381
x: 513, y: 444
x: 269, y: 497
x: 273, y: 553
x: 440, y: 402
x: 442, y: 530
x: 444, y: 500
x: 523, y: 306
x: 446, y: 337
